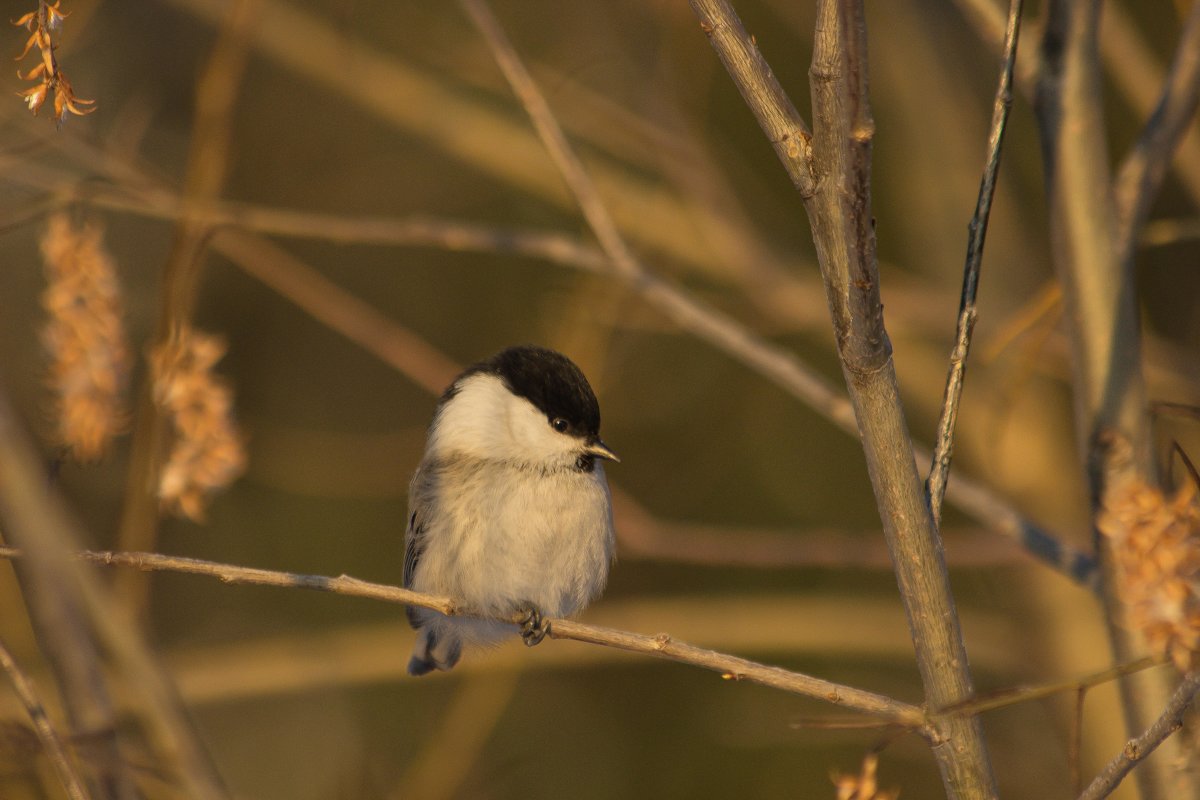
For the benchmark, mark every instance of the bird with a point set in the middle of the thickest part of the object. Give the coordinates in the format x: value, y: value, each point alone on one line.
x: 509, y: 509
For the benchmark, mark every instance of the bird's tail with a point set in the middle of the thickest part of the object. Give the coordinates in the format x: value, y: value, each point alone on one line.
x: 434, y: 649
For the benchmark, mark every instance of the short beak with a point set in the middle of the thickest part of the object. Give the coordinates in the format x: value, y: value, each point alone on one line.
x: 599, y: 449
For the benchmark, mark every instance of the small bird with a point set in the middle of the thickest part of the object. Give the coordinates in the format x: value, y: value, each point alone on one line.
x: 509, y: 509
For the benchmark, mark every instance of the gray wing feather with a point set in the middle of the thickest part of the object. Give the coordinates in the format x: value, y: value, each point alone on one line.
x: 419, y: 502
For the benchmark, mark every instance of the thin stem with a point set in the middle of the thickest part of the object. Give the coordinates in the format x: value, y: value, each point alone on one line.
x: 661, y: 645
x: 1137, y: 749
x: 943, y: 450
x: 840, y: 213
x: 51, y: 742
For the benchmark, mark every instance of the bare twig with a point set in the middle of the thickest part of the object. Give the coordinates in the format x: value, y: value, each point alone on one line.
x: 661, y: 645
x: 51, y: 742
x: 943, y: 450
x: 1142, y: 174
x: 414, y: 231
x: 1139, y: 748
x: 1019, y: 694
x: 840, y: 213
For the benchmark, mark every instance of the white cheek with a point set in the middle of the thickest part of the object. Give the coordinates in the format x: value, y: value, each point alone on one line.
x: 532, y: 438
x: 485, y: 420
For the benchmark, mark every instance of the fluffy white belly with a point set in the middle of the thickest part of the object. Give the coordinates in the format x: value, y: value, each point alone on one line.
x: 505, y: 542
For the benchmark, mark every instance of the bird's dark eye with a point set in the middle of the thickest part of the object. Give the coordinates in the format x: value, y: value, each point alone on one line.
x: 559, y: 424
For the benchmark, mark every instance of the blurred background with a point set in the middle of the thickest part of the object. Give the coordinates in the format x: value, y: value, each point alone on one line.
x: 746, y: 520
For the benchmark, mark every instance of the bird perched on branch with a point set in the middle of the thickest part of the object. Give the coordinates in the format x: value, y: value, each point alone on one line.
x: 509, y: 510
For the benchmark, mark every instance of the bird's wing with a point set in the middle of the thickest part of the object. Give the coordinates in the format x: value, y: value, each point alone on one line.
x: 419, y: 502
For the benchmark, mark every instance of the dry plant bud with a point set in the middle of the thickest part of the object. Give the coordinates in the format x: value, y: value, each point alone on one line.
x: 207, y: 452
x: 84, y: 337
x: 863, y: 785
x: 49, y: 77
x: 1156, y: 553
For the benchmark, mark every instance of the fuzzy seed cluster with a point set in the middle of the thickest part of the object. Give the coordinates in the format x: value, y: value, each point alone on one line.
x: 1156, y: 552
x: 207, y: 451
x: 84, y: 338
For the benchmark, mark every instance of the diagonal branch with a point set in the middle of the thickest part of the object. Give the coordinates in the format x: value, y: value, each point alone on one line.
x: 1139, y: 748
x: 943, y: 449
x: 1141, y: 175
x: 840, y: 213
x: 661, y: 645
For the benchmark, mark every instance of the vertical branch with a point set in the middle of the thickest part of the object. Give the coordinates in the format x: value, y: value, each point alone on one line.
x: 1104, y: 329
x: 943, y: 450
x: 840, y: 212
x: 208, y: 159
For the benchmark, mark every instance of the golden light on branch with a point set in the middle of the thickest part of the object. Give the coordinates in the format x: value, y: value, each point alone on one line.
x: 41, y: 25
x: 84, y: 337
x: 207, y: 452
x: 1156, y: 552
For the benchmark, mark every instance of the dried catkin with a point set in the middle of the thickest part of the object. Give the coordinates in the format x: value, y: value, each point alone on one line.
x: 84, y: 338
x: 1156, y: 553
x: 207, y: 452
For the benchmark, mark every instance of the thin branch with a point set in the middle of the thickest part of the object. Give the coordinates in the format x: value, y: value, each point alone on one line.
x: 840, y: 214
x: 1141, y: 176
x: 943, y: 450
x: 989, y: 22
x: 1020, y: 694
x: 784, y: 126
x: 555, y: 141
x: 661, y: 645
x: 414, y: 231
x: 1139, y: 748
x: 51, y: 742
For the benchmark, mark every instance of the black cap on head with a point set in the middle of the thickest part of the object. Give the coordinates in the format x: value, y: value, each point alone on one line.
x: 549, y: 380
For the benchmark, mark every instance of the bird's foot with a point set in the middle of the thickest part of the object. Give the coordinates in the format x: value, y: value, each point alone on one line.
x: 533, y: 627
